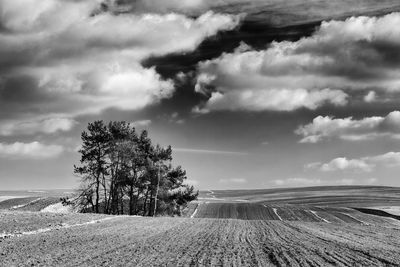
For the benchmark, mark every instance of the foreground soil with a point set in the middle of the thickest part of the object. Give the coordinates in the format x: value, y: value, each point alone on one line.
x: 89, y: 240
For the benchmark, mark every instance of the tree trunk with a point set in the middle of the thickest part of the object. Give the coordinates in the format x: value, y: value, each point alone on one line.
x: 135, y: 203
x: 145, y: 202
x: 97, y: 193
x: 105, y: 195
x: 157, y: 188
x: 151, y: 203
x: 122, y: 200
x: 131, y: 199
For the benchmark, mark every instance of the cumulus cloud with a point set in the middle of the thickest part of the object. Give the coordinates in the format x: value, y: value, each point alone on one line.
x: 340, y: 164
x: 390, y: 159
x: 365, y: 164
x: 141, y: 123
x: 326, y: 127
x: 370, y: 97
x: 207, y: 151
x: 233, y: 180
x: 192, y: 182
x: 79, y: 59
x: 297, y: 181
x: 34, y: 150
x: 271, y: 99
x: 340, y: 59
x: 46, y: 125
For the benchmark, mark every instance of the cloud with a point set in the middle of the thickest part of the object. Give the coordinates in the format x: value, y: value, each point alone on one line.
x: 205, y: 151
x: 141, y: 123
x: 192, y: 182
x: 390, y: 159
x: 34, y: 150
x: 338, y: 61
x: 371, y: 180
x: 326, y: 127
x: 370, y: 97
x: 38, y: 125
x: 73, y: 58
x: 364, y: 164
x: 295, y: 11
x: 233, y: 180
x: 297, y: 181
x: 341, y: 164
x: 272, y: 99
x: 160, y: 6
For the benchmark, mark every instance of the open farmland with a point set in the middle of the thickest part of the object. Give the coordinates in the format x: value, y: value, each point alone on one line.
x: 340, y: 196
x: 31, y: 200
x: 254, y: 211
x: 122, y: 241
x: 213, y: 233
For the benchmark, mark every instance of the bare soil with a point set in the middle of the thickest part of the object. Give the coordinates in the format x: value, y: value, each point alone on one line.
x: 226, y: 230
x: 135, y: 241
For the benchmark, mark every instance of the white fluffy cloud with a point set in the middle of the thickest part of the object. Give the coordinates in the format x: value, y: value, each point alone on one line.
x: 370, y: 97
x: 207, y: 151
x: 340, y: 164
x: 141, y: 123
x: 297, y: 182
x: 78, y: 59
x: 233, y: 180
x: 339, y: 59
x: 293, y: 182
x: 326, y: 127
x: 192, y: 182
x: 34, y: 150
x: 390, y: 159
x: 46, y: 125
x: 365, y: 164
x: 272, y: 99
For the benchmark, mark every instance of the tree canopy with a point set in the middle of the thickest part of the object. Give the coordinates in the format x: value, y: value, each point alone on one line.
x: 123, y: 172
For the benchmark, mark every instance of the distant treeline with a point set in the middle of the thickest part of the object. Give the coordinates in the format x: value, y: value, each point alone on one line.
x: 122, y: 172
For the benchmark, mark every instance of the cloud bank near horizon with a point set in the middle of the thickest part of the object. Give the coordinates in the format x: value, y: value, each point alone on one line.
x: 34, y: 150
x: 364, y: 164
x: 368, y: 128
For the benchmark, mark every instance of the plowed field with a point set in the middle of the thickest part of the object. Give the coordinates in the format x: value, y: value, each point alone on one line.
x: 215, y: 232
x: 129, y: 241
x: 254, y: 211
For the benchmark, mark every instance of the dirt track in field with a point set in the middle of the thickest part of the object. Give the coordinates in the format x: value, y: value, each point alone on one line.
x: 130, y: 241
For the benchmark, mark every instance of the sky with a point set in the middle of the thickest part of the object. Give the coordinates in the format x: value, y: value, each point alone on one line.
x: 249, y: 93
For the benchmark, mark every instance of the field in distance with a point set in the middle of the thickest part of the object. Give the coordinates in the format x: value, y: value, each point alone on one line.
x: 360, y: 196
x: 224, y: 228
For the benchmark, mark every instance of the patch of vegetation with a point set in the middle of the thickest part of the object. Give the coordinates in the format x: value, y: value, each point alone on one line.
x: 122, y: 172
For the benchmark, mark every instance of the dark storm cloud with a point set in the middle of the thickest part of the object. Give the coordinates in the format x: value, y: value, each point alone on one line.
x: 20, y: 89
x: 272, y: 12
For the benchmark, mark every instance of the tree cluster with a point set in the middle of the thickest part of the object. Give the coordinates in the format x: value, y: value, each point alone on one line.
x: 122, y: 172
